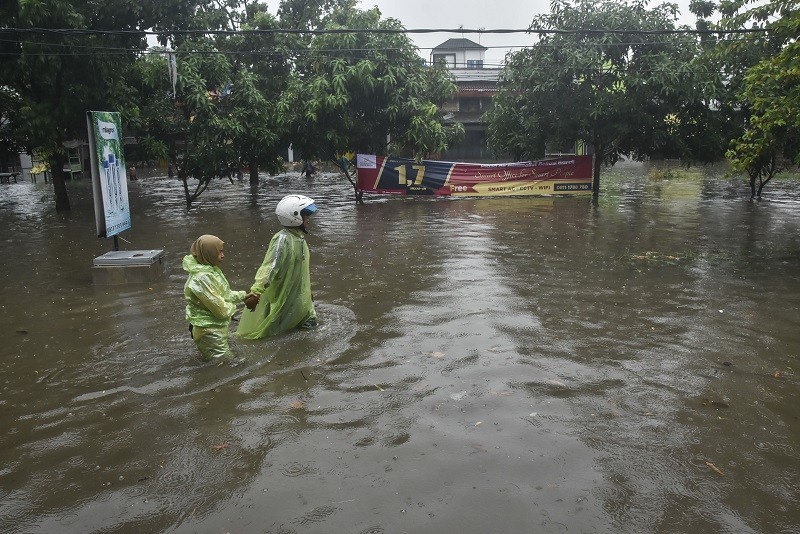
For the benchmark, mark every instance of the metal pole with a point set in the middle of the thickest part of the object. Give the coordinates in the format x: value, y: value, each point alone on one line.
x: 116, y: 243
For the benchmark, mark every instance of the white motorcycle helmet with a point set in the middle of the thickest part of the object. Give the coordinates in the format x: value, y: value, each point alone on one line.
x: 291, y: 208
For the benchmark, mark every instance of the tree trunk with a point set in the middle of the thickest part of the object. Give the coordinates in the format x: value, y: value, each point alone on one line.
x: 253, y: 174
x: 186, y: 190
x: 59, y: 181
x: 598, y: 160
x: 762, y: 183
x: 769, y: 170
x: 359, y: 195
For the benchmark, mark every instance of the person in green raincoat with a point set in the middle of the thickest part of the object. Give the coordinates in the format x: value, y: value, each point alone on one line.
x: 282, y: 286
x: 210, y: 303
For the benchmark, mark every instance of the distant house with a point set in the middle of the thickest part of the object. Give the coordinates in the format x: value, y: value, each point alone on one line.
x: 477, y: 85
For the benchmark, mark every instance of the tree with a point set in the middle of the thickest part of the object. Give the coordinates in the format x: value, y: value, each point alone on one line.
x: 224, y: 113
x: 613, y: 74
x: 213, y: 122
x: 310, y: 14
x: 9, y: 112
x: 368, y: 93
x: 60, y: 67
x: 263, y: 63
x: 770, y: 89
x: 9, y: 99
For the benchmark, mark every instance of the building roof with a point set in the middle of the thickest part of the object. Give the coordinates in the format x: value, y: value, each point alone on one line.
x: 459, y: 44
x: 478, y: 86
x: 462, y: 76
x: 480, y: 90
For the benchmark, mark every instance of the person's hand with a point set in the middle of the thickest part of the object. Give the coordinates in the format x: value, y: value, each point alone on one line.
x: 251, y: 301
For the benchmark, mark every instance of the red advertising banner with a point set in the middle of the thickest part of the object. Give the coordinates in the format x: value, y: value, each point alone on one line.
x: 568, y: 175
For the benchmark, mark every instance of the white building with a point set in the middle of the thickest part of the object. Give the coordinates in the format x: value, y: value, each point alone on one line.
x: 476, y: 88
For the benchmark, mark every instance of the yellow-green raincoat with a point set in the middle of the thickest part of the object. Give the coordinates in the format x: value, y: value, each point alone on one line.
x: 210, y: 304
x: 283, y: 283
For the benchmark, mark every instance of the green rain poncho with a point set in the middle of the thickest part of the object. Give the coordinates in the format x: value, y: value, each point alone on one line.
x: 283, y: 283
x: 210, y: 304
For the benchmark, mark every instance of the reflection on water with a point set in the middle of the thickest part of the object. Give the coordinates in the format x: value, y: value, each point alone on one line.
x: 488, y: 365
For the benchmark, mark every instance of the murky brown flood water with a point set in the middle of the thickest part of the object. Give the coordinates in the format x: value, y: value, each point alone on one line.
x: 492, y: 365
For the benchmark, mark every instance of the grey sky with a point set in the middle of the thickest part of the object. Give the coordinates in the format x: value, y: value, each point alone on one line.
x: 476, y: 14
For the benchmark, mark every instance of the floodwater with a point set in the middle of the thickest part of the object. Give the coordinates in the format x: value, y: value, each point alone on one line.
x: 482, y: 365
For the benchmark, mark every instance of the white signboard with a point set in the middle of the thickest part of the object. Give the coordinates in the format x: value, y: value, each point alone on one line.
x: 109, y: 178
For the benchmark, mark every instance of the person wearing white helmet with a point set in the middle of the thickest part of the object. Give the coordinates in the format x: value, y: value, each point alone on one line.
x: 281, y: 293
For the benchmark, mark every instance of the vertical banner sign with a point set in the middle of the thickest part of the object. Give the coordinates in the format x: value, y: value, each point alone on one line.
x: 109, y: 180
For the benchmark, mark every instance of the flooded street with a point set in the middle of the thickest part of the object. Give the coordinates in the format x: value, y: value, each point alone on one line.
x: 482, y: 365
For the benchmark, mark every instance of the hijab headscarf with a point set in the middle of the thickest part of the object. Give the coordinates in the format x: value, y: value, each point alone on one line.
x: 206, y: 249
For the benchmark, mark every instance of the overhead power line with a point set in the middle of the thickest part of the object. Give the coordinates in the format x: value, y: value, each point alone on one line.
x: 327, y: 54
x: 102, y: 49
x: 76, y: 31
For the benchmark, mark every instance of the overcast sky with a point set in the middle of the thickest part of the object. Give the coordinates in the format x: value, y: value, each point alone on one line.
x: 476, y: 14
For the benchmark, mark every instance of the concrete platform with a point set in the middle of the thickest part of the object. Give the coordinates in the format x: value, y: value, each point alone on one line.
x: 129, y: 267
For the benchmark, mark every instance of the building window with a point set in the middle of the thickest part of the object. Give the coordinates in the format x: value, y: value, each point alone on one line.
x: 469, y: 105
x: 474, y: 63
x: 448, y: 59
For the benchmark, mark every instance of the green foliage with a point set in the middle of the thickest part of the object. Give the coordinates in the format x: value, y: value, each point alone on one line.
x: 368, y: 92
x: 769, y: 88
x: 9, y: 115
x: 57, y: 77
x: 240, y: 98
x: 225, y: 113
x: 613, y: 75
x: 310, y: 14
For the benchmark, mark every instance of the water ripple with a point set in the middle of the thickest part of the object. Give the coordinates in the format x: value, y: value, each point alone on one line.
x: 316, y: 515
x: 298, y: 469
